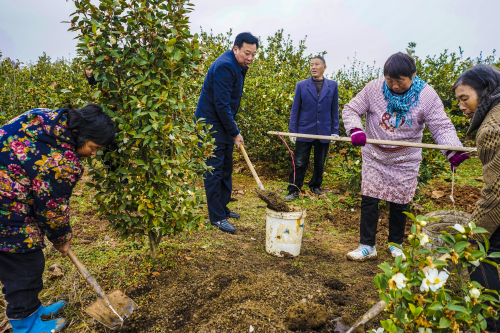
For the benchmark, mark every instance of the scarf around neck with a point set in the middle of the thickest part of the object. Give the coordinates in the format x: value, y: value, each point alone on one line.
x: 488, y: 102
x: 399, y: 105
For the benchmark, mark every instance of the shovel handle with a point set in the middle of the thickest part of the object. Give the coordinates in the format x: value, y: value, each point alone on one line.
x: 86, y: 274
x: 252, y: 169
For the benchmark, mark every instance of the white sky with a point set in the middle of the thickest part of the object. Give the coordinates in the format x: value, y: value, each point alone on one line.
x: 371, y: 29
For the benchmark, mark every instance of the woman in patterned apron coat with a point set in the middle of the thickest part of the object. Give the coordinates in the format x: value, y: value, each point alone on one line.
x: 397, y: 107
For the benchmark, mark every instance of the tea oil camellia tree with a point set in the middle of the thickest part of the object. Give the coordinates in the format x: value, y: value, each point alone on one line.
x: 144, y: 57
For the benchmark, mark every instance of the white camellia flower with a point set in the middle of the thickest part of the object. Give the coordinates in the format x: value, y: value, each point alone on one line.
x: 433, y: 280
x: 467, y: 299
x: 424, y: 240
x: 379, y: 330
x: 400, y: 280
x: 460, y: 228
x: 426, y: 330
x: 423, y: 223
x: 112, y: 40
x: 474, y: 292
x: 475, y: 262
x: 98, y: 32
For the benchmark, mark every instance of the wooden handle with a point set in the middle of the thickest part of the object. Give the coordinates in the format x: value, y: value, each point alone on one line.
x: 252, y: 170
x: 86, y: 275
x: 379, y: 142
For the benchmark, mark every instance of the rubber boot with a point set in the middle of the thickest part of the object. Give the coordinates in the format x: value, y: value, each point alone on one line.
x: 52, y: 309
x: 34, y: 324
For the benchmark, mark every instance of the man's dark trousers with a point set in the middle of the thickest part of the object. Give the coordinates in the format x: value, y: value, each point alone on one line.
x: 21, y: 276
x: 301, y: 157
x: 487, y: 276
x: 218, y: 182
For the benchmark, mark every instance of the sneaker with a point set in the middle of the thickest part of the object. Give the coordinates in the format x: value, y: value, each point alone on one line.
x: 396, y: 252
x: 317, y: 190
x: 292, y: 196
x: 362, y: 253
x: 225, y: 226
x: 233, y: 215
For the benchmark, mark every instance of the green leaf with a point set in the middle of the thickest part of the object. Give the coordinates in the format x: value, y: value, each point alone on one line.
x: 172, y: 42
x: 456, y: 308
x: 100, y: 58
x: 460, y: 246
x: 435, y: 306
x: 444, y: 322
x: 494, y: 255
x: 386, y: 268
x: 412, y: 308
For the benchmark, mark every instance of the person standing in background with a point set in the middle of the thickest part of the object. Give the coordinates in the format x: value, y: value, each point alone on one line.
x: 315, y: 110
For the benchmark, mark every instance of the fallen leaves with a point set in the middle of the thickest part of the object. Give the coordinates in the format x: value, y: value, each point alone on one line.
x: 56, y: 271
x: 437, y: 194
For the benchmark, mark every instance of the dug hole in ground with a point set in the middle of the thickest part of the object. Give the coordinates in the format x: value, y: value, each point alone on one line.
x: 212, y: 281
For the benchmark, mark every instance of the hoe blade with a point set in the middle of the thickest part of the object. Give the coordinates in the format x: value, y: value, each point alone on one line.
x: 113, y: 314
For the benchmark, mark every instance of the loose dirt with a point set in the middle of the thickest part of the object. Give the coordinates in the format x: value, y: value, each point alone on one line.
x: 304, y: 316
x: 273, y: 201
x: 465, y: 196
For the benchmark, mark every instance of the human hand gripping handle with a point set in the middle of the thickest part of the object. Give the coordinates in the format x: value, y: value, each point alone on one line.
x: 358, y: 137
x: 238, y: 140
x: 63, y: 248
x: 456, y: 158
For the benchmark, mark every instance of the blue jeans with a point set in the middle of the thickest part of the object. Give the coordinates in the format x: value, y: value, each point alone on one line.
x: 218, y: 185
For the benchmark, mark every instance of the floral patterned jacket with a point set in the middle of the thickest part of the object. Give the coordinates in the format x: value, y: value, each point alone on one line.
x: 39, y: 168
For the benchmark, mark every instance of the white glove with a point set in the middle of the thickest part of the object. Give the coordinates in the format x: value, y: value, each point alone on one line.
x: 293, y: 139
x: 335, y: 136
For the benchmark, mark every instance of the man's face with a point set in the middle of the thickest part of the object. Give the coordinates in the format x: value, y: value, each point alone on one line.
x: 317, y: 68
x: 246, y: 54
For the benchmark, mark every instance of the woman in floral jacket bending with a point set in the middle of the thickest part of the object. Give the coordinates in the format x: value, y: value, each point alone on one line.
x: 40, y: 164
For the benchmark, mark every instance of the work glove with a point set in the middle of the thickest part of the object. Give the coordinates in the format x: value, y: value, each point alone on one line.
x: 358, y: 137
x: 335, y: 136
x: 293, y: 139
x: 456, y: 158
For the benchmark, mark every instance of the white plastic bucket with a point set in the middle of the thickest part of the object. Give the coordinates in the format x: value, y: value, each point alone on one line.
x: 284, y: 232
x: 447, y: 218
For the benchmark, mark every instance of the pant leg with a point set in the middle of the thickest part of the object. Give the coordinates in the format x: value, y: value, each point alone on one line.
x: 301, y: 158
x: 112, y: 165
x: 320, y: 153
x: 227, y: 172
x: 487, y: 276
x: 213, y: 184
x: 21, y: 276
x: 369, y: 220
x: 397, y: 222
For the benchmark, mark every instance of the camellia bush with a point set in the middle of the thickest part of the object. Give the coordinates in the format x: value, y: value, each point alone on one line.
x: 426, y: 294
x: 145, y: 60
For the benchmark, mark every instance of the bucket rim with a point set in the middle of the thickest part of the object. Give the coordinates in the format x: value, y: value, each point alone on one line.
x: 287, y: 215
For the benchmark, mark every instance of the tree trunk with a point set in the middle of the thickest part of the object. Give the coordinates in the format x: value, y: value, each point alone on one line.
x: 154, y: 242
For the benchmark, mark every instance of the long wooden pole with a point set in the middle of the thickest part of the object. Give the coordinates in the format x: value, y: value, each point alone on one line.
x: 252, y: 169
x: 377, y: 142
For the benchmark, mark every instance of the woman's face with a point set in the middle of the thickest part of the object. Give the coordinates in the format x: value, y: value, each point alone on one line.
x: 399, y: 85
x: 89, y: 149
x: 467, y: 99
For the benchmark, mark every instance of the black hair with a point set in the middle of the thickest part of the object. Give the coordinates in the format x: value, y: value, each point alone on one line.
x: 400, y: 64
x: 246, y: 37
x: 320, y: 58
x: 91, y: 123
x: 481, y: 78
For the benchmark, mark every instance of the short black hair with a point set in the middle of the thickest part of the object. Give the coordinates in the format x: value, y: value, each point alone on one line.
x: 246, y: 37
x: 320, y: 58
x: 91, y: 123
x: 482, y: 78
x: 400, y: 64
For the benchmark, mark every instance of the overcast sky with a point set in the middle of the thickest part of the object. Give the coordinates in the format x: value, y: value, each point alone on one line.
x: 370, y: 29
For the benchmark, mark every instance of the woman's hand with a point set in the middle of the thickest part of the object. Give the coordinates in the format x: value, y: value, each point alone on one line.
x: 358, y: 137
x: 456, y: 159
x: 63, y: 248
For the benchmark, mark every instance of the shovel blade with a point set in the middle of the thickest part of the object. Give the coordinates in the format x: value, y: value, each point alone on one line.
x: 339, y: 327
x: 122, y: 305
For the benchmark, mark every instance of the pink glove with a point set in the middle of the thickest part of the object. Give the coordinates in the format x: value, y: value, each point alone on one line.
x: 358, y: 137
x: 456, y: 159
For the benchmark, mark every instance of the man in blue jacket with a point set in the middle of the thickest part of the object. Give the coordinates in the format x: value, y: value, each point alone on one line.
x: 315, y: 110
x: 218, y: 104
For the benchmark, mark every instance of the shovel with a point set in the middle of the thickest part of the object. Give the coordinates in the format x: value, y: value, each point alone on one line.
x: 252, y: 169
x: 372, y: 313
x: 111, y: 309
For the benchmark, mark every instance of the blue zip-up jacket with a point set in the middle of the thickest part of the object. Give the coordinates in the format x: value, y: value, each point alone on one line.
x: 39, y: 168
x: 220, y: 96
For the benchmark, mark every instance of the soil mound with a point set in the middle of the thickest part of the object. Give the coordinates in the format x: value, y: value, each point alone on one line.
x: 465, y: 196
x: 273, y: 201
x: 334, y: 284
x: 303, y: 316
x: 348, y: 321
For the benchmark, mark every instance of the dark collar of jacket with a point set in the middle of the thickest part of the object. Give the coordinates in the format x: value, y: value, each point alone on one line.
x: 239, y: 68
x: 327, y: 85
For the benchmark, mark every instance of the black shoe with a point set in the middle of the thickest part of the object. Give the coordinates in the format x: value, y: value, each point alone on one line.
x: 317, y: 190
x: 233, y: 199
x: 225, y: 226
x: 233, y: 215
x: 291, y: 196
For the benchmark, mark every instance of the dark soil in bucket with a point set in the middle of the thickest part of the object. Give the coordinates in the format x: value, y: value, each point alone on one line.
x: 273, y: 201
x: 304, y: 316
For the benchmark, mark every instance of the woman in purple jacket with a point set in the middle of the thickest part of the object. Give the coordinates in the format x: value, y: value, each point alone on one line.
x: 40, y: 164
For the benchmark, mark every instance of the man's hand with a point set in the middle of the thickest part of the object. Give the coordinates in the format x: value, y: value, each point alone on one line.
x: 63, y: 248
x: 238, y: 140
x: 335, y: 136
x: 293, y: 139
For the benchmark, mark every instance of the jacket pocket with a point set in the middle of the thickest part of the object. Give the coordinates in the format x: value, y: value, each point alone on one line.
x: 302, y: 123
